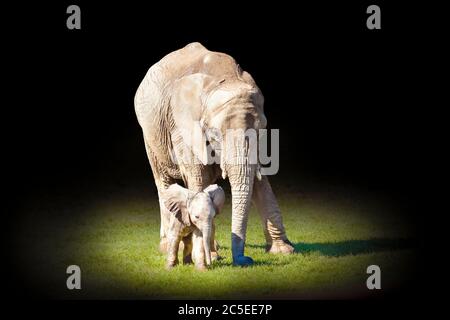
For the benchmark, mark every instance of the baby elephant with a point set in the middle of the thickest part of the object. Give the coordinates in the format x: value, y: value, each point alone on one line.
x: 191, y: 221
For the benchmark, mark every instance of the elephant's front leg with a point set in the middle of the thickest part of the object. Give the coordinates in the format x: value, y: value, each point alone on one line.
x: 198, y: 251
x: 267, y: 205
x: 172, y: 253
x: 187, y: 250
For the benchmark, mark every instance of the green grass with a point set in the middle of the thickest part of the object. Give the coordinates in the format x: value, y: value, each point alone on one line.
x: 115, y: 242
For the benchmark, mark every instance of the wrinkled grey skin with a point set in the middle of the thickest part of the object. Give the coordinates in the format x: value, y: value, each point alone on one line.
x: 193, y: 86
x: 191, y: 221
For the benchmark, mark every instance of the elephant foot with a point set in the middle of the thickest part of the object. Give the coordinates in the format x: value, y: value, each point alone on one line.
x: 242, y: 261
x: 201, y: 267
x: 280, y: 247
x: 237, y: 248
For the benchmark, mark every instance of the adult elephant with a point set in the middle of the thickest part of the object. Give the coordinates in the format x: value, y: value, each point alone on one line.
x: 185, y: 104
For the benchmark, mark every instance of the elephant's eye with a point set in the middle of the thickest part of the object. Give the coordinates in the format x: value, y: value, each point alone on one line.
x: 197, y: 217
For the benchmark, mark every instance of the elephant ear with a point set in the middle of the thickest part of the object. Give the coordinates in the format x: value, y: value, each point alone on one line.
x: 217, y: 195
x: 175, y: 200
x: 187, y: 103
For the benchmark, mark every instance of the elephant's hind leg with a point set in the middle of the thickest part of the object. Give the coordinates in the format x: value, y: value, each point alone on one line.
x: 267, y: 205
x: 162, y: 181
x: 187, y: 250
x: 214, y: 244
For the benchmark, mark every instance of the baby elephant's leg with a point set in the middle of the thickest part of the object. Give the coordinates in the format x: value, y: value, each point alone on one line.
x: 187, y: 250
x: 198, y: 251
x: 214, y: 244
x: 172, y: 254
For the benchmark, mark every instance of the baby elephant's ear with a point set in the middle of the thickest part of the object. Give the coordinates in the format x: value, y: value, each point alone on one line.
x: 217, y: 195
x: 175, y: 200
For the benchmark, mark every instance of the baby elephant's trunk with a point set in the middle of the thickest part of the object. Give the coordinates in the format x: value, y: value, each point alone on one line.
x: 206, y: 243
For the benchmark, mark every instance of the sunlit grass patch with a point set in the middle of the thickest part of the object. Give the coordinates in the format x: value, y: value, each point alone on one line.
x: 115, y: 242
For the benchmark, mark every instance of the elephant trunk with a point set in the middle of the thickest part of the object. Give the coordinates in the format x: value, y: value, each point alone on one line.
x: 241, y: 175
x: 206, y: 243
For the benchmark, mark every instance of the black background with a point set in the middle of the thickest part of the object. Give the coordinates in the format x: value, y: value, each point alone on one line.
x: 341, y: 95
x: 344, y: 97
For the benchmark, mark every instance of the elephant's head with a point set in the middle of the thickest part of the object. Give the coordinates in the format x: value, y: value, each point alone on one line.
x: 196, y: 208
x: 216, y: 113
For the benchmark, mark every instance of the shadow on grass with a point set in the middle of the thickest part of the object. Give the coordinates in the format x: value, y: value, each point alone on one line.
x: 256, y: 263
x: 351, y: 247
